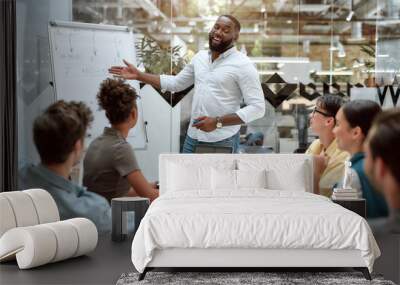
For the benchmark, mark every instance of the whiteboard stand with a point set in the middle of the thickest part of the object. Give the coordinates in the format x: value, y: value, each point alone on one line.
x: 81, y: 54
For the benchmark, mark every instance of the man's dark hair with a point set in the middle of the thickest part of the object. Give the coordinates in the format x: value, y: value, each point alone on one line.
x: 384, y: 141
x: 117, y: 98
x: 330, y: 103
x: 361, y: 113
x: 56, y: 131
x: 234, y: 20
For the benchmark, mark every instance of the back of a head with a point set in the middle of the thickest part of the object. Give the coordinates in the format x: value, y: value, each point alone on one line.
x: 384, y: 140
x: 330, y: 103
x: 116, y: 98
x: 361, y: 113
x: 56, y: 131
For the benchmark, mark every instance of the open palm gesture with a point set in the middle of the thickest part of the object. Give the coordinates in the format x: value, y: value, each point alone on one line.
x: 127, y: 72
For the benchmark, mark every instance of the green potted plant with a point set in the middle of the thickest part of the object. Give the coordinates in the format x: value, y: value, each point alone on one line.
x: 369, y: 63
x: 160, y: 60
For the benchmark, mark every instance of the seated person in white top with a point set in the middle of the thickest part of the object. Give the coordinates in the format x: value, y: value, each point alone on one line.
x: 110, y: 166
x: 381, y: 165
x: 222, y: 78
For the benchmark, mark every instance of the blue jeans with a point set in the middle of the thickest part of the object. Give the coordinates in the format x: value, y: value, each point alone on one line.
x: 190, y: 144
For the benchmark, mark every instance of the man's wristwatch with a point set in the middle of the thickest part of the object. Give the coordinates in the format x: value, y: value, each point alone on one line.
x: 219, y: 122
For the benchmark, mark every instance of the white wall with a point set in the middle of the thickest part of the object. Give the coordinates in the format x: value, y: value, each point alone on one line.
x: 266, y: 125
x: 387, y: 60
x: 33, y: 66
x: 371, y: 93
x: 163, y: 130
x: 299, y: 72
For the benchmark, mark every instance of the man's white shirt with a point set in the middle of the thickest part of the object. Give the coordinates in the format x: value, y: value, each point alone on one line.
x: 219, y: 89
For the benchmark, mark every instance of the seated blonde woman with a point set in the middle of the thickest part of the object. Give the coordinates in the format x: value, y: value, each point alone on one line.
x: 110, y: 166
x: 328, y: 158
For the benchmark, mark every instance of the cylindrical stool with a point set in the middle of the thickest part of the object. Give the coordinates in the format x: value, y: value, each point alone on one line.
x: 119, y: 207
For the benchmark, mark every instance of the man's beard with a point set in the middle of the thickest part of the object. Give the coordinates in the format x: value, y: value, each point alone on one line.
x: 221, y: 47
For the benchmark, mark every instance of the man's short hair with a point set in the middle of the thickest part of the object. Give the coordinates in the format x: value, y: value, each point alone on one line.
x: 330, y: 103
x: 56, y: 131
x: 384, y: 141
x: 234, y: 20
x: 117, y: 98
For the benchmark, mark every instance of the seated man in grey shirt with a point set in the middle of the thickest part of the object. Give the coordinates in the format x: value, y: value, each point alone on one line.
x: 110, y: 166
x: 381, y: 166
x: 58, y: 135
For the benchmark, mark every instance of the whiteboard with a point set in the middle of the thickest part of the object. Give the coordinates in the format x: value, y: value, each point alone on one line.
x: 81, y: 55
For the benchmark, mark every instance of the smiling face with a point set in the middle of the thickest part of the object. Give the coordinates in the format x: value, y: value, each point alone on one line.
x: 346, y: 136
x: 223, y: 34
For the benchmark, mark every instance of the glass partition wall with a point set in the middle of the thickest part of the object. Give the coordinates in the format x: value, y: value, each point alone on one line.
x: 302, y: 50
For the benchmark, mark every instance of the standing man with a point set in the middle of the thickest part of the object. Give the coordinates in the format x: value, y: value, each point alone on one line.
x: 223, y: 77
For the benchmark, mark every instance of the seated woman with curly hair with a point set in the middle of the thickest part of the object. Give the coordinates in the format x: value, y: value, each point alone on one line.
x: 110, y: 166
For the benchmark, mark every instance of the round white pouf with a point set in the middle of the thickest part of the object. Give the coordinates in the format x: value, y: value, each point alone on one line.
x: 87, y: 233
x: 37, y: 245
x: 45, y: 205
x: 33, y: 246
x: 7, y: 218
x: 23, y: 208
x: 67, y: 240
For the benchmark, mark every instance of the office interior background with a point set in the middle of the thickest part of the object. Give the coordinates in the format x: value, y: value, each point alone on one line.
x: 302, y: 49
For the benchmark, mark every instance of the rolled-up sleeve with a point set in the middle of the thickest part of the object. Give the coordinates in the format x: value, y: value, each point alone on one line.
x: 179, y: 82
x: 253, y: 95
